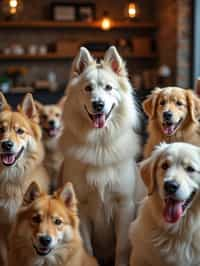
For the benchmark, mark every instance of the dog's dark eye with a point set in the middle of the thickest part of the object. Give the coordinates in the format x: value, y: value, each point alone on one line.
x: 88, y: 88
x: 57, y: 114
x: 162, y: 102
x: 58, y: 221
x: 44, y: 117
x: 20, y: 131
x: 2, y: 130
x: 165, y: 166
x: 179, y: 103
x: 108, y: 88
x: 190, y: 169
x: 36, y: 219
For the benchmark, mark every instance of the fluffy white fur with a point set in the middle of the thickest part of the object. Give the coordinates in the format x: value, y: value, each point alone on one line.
x: 100, y: 162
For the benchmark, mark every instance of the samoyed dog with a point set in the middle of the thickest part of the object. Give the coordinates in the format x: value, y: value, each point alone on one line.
x: 100, y: 144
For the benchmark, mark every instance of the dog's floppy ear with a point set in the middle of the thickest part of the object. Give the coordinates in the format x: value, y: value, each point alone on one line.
x: 193, y: 105
x: 114, y: 61
x: 62, y: 101
x: 81, y: 62
x: 3, y: 103
x: 28, y: 108
x: 149, y: 105
x: 148, y: 166
x: 146, y: 169
x: 31, y: 193
x: 67, y: 195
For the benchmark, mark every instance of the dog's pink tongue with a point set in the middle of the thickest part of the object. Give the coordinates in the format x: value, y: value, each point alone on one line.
x: 99, y: 121
x: 8, y: 158
x: 169, y: 130
x: 53, y: 132
x: 173, y: 210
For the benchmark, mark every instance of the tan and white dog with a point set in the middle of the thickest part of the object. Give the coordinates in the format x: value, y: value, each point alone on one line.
x: 46, y: 231
x: 51, y: 122
x: 21, y: 156
x: 167, y: 229
x: 99, y: 145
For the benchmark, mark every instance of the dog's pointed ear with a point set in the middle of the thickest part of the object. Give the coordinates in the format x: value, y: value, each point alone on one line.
x: 81, y: 62
x: 149, y: 105
x: 31, y: 193
x: 67, y: 195
x: 61, y: 102
x: 28, y: 107
x: 4, y: 106
x: 193, y: 105
x: 114, y: 61
x: 197, y: 87
x: 39, y: 106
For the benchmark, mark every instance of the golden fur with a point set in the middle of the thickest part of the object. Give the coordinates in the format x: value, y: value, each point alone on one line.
x: 56, y: 216
x: 22, y: 128
x: 53, y: 155
x: 155, y: 240
x: 183, y: 104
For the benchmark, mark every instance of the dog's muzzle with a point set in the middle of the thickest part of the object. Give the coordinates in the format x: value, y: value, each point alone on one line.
x: 99, y: 119
x: 9, y: 158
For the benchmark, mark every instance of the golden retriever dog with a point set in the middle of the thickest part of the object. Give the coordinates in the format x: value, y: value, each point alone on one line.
x: 21, y: 156
x: 167, y: 229
x: 172, y: 117
x: 46, y: 231
x: 52, y: 126
x: 100, y: 144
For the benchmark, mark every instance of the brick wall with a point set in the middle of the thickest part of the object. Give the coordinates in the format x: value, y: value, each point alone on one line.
x: 175, y: 38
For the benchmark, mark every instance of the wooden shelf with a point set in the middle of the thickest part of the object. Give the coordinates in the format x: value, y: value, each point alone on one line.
x: 77, y: 24
x: 54, y: 56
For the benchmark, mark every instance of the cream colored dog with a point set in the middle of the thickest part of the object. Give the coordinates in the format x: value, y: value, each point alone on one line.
x: 167, y: 230
x: 99, y: 145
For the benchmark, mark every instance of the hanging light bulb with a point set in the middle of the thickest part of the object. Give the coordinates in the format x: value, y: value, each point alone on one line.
x: 106, y: 22
x: 12, y: 7
x: 132, y: 10
x: 13, y: 3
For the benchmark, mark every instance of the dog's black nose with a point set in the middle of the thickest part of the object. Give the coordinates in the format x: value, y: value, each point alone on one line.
x: 7, y: 145
x: 98, y: 105
x: 51, y: 123
x: 167, y: 115
x: 45, y: 240
x: 171, y: 186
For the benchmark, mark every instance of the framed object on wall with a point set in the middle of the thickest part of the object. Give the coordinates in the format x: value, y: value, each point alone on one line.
x: 86, y: 12
x: 64, y: 11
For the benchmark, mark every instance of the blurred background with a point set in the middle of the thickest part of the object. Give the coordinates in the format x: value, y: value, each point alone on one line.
x: 159, y: 39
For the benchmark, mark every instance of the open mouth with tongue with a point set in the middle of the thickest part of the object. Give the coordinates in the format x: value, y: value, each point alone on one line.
x: 169, y: 128
x: 8, y: 159
x: 174, y: 209
x: 42, y: 251
x: 52, y: 132
x: 99, y: 119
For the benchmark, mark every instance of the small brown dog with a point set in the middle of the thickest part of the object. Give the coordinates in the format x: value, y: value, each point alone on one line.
x: 52, y: 125
x: 172, y: 113
x: 46, y: 231
x: 21, y: 156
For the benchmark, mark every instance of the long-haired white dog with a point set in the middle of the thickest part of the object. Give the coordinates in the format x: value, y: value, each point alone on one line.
x: 99, y: 145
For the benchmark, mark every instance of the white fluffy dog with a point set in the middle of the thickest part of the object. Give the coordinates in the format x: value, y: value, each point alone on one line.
x: 167, y: 230
x: 99, y: 145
